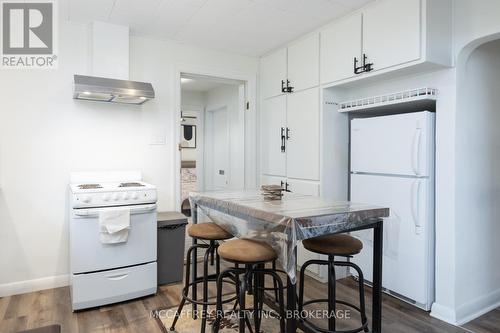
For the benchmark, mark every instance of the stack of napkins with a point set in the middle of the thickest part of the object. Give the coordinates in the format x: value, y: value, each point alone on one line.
x: 271, y: 192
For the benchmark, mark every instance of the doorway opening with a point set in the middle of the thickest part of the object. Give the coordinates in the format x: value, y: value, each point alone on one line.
x: 212, y: 142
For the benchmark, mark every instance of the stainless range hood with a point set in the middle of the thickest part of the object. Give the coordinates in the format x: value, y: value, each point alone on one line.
x: 94, y: 88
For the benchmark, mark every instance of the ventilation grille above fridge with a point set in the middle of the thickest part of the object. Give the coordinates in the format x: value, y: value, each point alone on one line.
x: 420, y: 98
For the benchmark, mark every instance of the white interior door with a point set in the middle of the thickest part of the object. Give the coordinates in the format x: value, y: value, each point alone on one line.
x: 391, y: 32
x: 217, y: 155
x: 303, y: 63
x: 340, y: 43
x: 408, y: 258
x: 302, y: 158
x: 273, y: 125
x: 398, y: 144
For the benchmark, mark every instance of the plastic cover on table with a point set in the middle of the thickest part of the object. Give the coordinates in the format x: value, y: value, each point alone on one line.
x: 282, y: 223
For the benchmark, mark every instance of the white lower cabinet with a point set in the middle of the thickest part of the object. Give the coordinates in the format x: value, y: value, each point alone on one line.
x: 303, y: 186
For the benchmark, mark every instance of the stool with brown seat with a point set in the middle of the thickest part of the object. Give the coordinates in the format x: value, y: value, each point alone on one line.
x: 212, y: 233
x: 253, y: 255
x: 333, y: 245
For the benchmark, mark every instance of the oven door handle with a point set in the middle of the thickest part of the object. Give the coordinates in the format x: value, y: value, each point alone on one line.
x: 133, y: 210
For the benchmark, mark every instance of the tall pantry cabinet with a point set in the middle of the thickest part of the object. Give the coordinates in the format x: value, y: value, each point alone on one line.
x: 290, y: 117
x: 290, y: 122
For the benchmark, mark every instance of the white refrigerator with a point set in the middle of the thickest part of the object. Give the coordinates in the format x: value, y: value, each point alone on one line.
x: 392, y: 165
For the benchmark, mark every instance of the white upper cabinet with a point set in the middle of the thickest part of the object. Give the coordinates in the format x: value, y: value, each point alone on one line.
x: 340, y: 43
x: 295, y: 67
x: 391, y: 33
x: 303, y: 63
x: 273, y: 71
x: 303, y: 135
x: 273, y: 129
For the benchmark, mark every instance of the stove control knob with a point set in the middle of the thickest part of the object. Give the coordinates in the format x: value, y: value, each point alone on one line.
x: 116, y: 196
x: 106, y: 197
x: 126, y: 196
x: 86, y: 198
x: 134, y: 195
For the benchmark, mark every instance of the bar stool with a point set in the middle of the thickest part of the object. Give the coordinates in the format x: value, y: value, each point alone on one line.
x: 332, y: 246
x: 212, y: 233
x: 253, y: 255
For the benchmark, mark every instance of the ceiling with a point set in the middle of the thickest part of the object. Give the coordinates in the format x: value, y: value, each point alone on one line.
x: 248, y: 27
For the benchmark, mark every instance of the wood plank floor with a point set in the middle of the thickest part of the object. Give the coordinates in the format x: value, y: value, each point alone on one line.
x: 53, y: 306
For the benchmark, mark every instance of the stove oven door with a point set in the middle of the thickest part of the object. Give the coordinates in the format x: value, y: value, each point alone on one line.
x: 88, y: 254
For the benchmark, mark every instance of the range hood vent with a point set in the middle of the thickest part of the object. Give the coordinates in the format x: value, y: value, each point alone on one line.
x: 94, y: 88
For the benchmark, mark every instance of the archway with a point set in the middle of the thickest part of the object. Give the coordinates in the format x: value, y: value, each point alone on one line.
x: 478, y: 178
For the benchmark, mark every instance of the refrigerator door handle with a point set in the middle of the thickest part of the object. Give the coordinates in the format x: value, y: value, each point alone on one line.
x: 415, y: 161
x: 415, y: 205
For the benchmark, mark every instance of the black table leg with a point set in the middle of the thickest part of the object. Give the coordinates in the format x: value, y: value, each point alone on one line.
x: 194, y: 263
x: 291, y: 303
x: 377, y: 278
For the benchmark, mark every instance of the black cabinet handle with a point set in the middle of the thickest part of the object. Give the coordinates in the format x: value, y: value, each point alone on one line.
x: 283, y: 140
x: 289, y: 88
x: 287, y: 133
x: 364, y: 66
x: 367, y: 67
x: 357, y: 69
x: 283, y: 88
x: 284, y: 186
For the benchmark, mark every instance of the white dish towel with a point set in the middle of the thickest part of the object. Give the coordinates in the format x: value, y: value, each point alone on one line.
x: 114, y: 226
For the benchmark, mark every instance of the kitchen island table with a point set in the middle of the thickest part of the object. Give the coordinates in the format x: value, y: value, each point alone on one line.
x: 283, y: 223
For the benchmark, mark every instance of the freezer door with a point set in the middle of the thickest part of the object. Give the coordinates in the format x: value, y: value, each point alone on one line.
x: 408, y: 243
x: 398, y: 144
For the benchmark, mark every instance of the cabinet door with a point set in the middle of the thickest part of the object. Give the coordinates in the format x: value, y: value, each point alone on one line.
x: 273, y: 70
x: 391, y: 32
x: 273, y: 124
x: 303, y: 63
x: 303, y: 187
x: 302, y: 158
x: 271, y: 180
x: 340, y: 43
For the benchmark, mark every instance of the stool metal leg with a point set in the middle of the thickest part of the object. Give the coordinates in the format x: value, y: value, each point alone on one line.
x: 186, y: 287
x: 331, y: 294
x: 205, y: 287
x: 361, y: 287
x: 242, y: 312
x: 275, y: 284
x: 281, y: 298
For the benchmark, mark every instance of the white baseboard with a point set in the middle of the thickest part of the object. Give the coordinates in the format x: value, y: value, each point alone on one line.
x: 478, y: 307
x: 468, y: 311
x: 21, y: 287
x: 443, y: 313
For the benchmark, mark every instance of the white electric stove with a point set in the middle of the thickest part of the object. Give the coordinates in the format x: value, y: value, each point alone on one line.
x: 108, y: 273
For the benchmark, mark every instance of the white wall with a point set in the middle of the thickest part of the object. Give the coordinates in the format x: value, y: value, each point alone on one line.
x: 228, y: 96
x: 478, y: 181
x: 193, y: 101
x: 45, y: 135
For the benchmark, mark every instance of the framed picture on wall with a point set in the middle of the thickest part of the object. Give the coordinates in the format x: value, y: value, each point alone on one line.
x: 188, y: 136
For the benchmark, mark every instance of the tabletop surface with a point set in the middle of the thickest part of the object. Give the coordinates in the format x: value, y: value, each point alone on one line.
x: 295, y: 206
